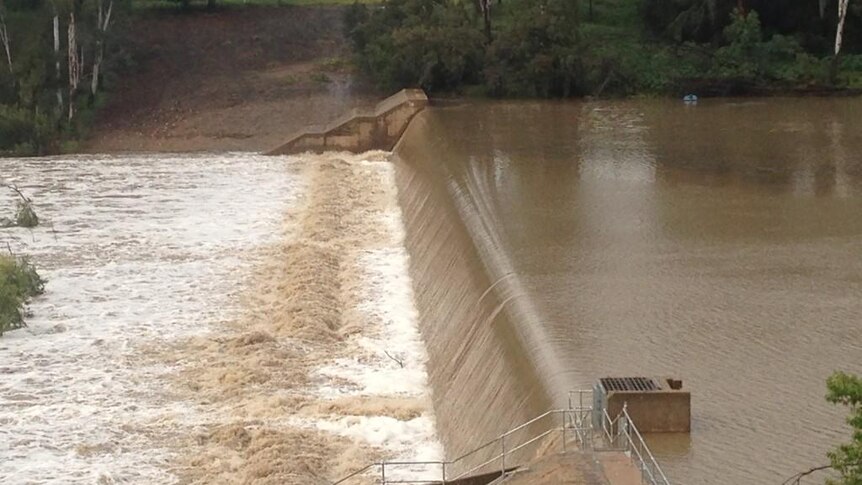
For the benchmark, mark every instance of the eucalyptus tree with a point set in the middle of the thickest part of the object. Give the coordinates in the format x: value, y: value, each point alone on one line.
x: 839, y: 36
x: 4, y: 38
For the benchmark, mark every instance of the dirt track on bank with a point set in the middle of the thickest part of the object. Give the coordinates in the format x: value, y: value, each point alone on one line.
x: 235, y: 79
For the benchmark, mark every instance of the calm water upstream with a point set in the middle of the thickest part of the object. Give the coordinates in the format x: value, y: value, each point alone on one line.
x: 720, y: 243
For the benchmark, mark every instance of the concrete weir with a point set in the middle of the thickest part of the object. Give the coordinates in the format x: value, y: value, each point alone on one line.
x: 361, y: 130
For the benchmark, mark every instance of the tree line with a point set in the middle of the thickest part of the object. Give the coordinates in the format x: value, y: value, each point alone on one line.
x: 58, y: 54
x: 552, y: 48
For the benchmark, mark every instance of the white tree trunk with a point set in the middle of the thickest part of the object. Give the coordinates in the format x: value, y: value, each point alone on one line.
x: 94, y: 83
x: 839, y: 33
x: 74, y: 65
x: 57, y: 59
x: 4, y: 37
x: 102, y: 27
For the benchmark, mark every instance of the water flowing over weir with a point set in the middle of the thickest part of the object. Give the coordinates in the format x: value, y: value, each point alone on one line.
x: 469, y: 299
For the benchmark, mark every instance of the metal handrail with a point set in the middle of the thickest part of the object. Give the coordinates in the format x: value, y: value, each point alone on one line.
x: 504, y: 452
x: 634, y: 445
x: 563, y: 425
x: 648, y: 465
x: 571, y: 419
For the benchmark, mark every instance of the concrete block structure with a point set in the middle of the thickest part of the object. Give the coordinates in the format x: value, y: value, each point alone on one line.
x: 656, y: 405
x: 361, y: 130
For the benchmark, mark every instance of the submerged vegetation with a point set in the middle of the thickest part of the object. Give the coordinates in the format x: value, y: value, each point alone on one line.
x: 19, y: 282
x: 25, y: 215
x: 572, y: 47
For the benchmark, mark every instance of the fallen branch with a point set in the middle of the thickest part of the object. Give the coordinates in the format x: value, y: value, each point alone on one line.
x: 399, y: 361
x: 25, y: 216
x: 797, y: 479
x: 20, y: 194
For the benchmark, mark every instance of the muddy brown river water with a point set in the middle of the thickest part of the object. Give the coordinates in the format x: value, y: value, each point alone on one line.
x: 547, y: 245
x: 720, y: 243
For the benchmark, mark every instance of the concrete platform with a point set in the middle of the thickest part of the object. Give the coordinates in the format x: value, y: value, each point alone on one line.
x: 618, y: 468
x: 578, y: 468
x: 361, y: 130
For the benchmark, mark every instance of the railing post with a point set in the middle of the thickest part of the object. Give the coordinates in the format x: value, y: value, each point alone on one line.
x: 383, y: 473
x: 444, y: 472
x: 563, y: 414
x: 503, y: 456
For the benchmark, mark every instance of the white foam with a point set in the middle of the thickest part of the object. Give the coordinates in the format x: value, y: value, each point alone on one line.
x: 137, y: 251
x: 141, y: 251
x: 382, y: 431
x: 387, y: 298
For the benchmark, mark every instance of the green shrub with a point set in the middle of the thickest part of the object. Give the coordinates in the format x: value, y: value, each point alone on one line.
x: 19, y: 282
x: 748, y: 57
x: 25, y: 215
x: 846, y: 389
x: 432, y: 44
x: 537, y: 52
x: 24, y: 133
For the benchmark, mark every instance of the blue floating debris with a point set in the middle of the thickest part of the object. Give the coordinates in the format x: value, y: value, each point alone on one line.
x: 690, y: 98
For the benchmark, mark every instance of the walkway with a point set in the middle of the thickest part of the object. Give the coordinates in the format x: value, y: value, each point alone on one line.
x: 578, y: 468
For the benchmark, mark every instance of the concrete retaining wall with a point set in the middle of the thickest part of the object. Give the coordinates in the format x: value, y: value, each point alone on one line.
x: 361, y: 130
x: 665, y: 411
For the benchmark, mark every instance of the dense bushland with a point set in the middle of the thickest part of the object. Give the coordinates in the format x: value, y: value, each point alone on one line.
x: 57, y: 57
x: 569, y: 47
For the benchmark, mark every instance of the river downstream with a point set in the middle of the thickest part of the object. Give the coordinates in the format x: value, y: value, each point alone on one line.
x: 211, y: 319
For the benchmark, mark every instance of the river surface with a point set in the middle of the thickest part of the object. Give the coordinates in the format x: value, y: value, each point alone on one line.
x: 719, y: 243
x: 549, y: 244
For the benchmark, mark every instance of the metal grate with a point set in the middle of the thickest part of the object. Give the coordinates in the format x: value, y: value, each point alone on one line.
x: 629, y: 384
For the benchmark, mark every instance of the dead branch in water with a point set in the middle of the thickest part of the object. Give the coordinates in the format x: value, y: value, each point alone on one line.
x: 20, y: 194
x: 25, y: 215
x: 399, y: 361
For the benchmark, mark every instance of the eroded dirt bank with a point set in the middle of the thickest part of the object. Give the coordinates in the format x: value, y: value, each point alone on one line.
x: 235, y: 79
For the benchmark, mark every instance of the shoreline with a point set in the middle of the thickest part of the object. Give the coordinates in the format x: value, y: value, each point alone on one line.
x: 229, y: 80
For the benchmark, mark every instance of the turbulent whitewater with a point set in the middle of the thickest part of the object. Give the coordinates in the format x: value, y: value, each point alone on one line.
x: 212, y: 319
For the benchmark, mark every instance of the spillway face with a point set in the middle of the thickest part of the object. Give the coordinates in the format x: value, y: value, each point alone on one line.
x: 483, y: 383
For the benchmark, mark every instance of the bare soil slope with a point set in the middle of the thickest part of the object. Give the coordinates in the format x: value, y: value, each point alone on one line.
x: 236, y: 79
